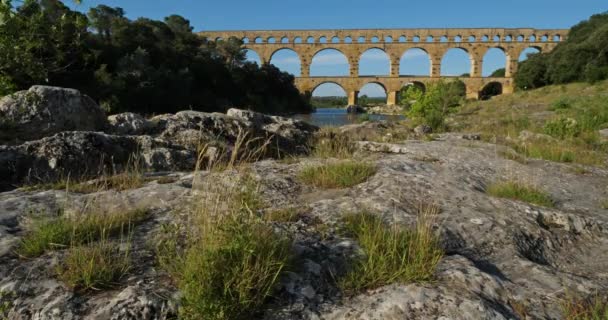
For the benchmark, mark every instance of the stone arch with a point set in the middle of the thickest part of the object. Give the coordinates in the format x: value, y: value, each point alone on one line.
x: 329, y: 62
x: 418, y: 84
x: 544, y: 38
x: 472, y: 39
x: 259, y: 40
x: 402, y: 39
x: 285, y: 40
x: 443, y: 39
x: 361, y: 39
x: 370, y: 89
x: 253, y: 56
x: 509, y: 38
x: 297, y: 40
x: 490, y: 90
x: 456, y: 62
x: 521, y: 38
x: 527, y: 51
x: 494, y: 58
x: 414, y: 62
x: 310, y: 39
x: 485, y: 38
x: 532, y: 38
x: 323, y: 39
x: 375, y: 39
x: 496, y: 38
x: 330, y: 83
x: 271, y: 40
x: 458, y: 39
x: 416, y: 39
x: 374, y: 56
x: 218, y: 39
x: 245, y: 40
x: 288, y: 60
x: 348, y: 39
x: 335, y: 40
x: 388, y: 39
x: 557, y: 38
x: 430, y: 39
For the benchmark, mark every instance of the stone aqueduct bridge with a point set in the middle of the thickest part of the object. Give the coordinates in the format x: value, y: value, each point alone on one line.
x: 395, y: 42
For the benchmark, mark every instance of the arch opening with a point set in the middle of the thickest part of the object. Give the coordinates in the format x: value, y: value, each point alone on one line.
x: 527, y: 52
x: 297, y: 40
x: 494, y: 63
x: 456, y: 62
x: 371, y: 94
x: 329, y: 95
x: 388, y: 39
x: 287, y: 60
x: 329, y: 62
x: 375, y: 39
x: 374, y: 62
x: 472, y: 39
x: 335, y: 40
x: 271, y: 40
x: 416, y: 39
x: 310, y: 40
x: 443, y: 39
x: 490, y: 90
x: 361, y: 39
x: 284, y: 40
x: 403, y: 39
x: 457, y: 39
x: 415, y: 62
x: 323, y: 39
x: 348, y: 40
x: 245, y: 40
x: 253, y: 57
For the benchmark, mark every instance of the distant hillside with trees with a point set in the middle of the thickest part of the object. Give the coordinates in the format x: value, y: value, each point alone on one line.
x: 582, y: 57
x: 142, y: 65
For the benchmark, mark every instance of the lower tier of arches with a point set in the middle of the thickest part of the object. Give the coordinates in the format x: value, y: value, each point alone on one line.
x: 476, y: 88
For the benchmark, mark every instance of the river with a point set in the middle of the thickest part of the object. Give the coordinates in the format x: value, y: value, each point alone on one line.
x: 335, y: 117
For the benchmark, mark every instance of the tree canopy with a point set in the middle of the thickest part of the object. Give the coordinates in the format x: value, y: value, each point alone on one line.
x: 142, y: 65
x: 582, y: 57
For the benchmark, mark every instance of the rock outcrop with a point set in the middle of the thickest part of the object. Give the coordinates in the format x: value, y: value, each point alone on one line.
x: 504, y: 259
x: 65, y: 139
x: 43, y: 111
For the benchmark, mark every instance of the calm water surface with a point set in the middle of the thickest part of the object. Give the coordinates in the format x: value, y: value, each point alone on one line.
x: 335, y: 117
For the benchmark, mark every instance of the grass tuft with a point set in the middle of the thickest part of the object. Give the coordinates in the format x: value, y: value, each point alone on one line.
x: 520, y: 191
x: 392, y: 254
x: 604, y: 204
x: 330, y: 143
x: 337, y: 175
x: 63, y: 231
x: 232, y: 260
x: 95, y: 266
x: 290, y: 214
x: 593, y: 308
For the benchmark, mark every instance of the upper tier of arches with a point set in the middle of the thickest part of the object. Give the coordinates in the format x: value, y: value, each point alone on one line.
x: 393, y: 35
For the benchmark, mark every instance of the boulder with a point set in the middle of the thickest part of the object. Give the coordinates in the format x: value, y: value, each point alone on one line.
x: 43, y: 111
x: 127, y: 123
x: 77, y: 153
x: 604, y: 134
x: 423, y: 129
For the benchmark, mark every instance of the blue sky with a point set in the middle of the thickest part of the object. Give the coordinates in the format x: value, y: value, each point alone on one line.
x: 347, y: 14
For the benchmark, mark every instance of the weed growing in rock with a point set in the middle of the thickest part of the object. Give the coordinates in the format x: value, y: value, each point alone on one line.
x: 95, y: 266
x: 131, y: 178
x: 330, y: 143
x: 62, y: 231
x: 6, y: 303
x: 392, y: 254
x: 337, y: 175
x: 520, y: 191
x: 604, y: 204
x: 233, y: 258
x: 290, y: 214
x: 593, y: 308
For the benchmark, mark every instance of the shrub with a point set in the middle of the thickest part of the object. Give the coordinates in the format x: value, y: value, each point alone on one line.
x: 337, y: 175
x: 436, y: 103
x: 563, y: 127
x: 392, y: 254
x: 520, y: 191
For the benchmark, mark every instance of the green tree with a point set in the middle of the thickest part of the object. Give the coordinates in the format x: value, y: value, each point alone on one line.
x: 498, y: 73
x: 436, y: 103
x: 410, y: 94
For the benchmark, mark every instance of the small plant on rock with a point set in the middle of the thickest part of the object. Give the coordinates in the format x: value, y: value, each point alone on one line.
x: 520, y: 191
x: 392, y: 254
x: 592, y: 308
x: 337, y: 175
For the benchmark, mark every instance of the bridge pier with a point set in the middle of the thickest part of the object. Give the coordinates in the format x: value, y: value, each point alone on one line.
x: 392, y: 97
x: 353, y: 98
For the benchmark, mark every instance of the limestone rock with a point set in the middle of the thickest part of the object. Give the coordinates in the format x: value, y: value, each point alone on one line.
x: 42, y: 111
x: 77, y: 153
x: 127, y: 123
